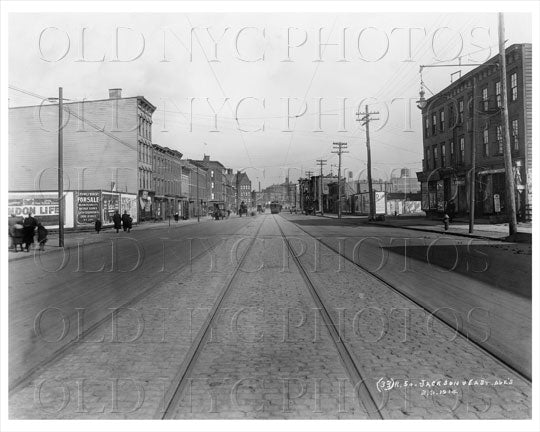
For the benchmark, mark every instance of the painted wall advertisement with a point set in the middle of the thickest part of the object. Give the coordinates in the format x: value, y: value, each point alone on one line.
x: 42, y: 205
x: 88, y: 207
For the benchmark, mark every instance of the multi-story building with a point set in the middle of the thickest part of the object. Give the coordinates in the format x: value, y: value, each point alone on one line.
x: 107, y: 151
x: 216, y: 178
x: 230, y: 190
x: 167, y: 176
x: 196, y: 178
x: 466, y: 114
x: 243, y: 188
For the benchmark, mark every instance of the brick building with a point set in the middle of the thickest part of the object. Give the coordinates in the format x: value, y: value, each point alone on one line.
x: 243, y: 186
x: 167, y: 176
x: 456, y: 117
x: 216, y: 178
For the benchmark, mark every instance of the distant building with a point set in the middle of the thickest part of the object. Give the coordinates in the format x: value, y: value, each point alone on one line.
x: 216, y: 181
x: 405, y: 183
x: 451, y: 125
x: 243, y: 185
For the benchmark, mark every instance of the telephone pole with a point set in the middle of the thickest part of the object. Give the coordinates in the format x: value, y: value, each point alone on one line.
x: 60, y: 168
x: 321, y: 162
x: 339, y: 146
x: 365, y: 122
x: 509, y: 172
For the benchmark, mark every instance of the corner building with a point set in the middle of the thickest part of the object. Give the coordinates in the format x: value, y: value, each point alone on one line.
x: 467, y: 112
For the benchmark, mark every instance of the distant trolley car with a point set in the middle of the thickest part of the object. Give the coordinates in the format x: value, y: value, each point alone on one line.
x: 275, y: 207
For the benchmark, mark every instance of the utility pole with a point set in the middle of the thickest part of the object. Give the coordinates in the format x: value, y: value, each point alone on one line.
x: 509, y: 172
x: 365, y: 122
x: 472, y: 181
x: 321, y: 163
x: 339, y: 146
x: 60, y: 168
x: 198, y: 208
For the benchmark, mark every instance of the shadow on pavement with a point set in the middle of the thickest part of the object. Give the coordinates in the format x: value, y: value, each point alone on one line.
x: 477, y: 263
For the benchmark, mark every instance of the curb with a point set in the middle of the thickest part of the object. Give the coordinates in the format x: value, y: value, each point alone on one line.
x: 56, y: 249
x: 477, y: 236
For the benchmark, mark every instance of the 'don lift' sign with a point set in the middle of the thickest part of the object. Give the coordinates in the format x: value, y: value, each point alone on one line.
x: 42, y: 205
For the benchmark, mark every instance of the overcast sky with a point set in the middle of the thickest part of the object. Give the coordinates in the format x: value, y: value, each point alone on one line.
x: 184, y: 86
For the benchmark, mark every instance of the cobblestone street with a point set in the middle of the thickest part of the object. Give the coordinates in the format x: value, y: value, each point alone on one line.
x: 245, y: 330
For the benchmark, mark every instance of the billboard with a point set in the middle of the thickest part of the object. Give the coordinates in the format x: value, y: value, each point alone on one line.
x: 88, y: 207
x: 42, y: 205
x: 128, y: 203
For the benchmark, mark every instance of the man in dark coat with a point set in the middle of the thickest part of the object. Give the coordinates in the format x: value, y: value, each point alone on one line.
x: 42, y: 236
x: 117, y: 220
x: 125, y: 221
x: 15, y: 227
x: 451, y: 209
x: 29, y: 227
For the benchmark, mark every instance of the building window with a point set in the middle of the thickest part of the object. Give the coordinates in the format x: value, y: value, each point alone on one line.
x: 485, y: 102
x: 498, y: 93
x: 451, y: 152
x: 461, y: 149
x: 513, y: 86
x: 486, y: 141
x: 443, y: 155
x: 435, y: 156
x: 212, y: 185
x: 441, y: 121
x: 426, y: 130
x: 515, y: 134
x: 451, y: 119
x: 426, y: 158
x: 433, y: 124
x: 460, y: 111
x: 499, y: 140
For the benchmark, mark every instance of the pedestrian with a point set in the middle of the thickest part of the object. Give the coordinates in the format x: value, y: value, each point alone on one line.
x: 451, y: 210
x: 117, y: 220
x: 176, y: 217
x: 130, y: 222
x: 125, y: 221
x: 42, y: 233
x: 97, y: 225
x: 29, y: 227
x: 12, y: 221
x: 15, y: 224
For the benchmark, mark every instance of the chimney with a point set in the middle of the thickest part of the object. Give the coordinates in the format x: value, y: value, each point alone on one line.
x: 115, y: 93
x: 206, y: 158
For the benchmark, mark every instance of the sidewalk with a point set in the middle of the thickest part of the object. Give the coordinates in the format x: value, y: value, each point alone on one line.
x: 460, y: 227
x: 73, y: 238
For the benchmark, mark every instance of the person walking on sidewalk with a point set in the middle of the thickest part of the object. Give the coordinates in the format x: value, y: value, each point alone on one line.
x: 12, y: 221
x: 125, y: 221
x: 29, y: 227
x: 451, y: 210
x: 97, y: 225
x: 117, y: 220
x: 42, y: 233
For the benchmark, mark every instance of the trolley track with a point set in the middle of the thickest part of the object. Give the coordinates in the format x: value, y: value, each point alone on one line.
x: 56, y: 355
x: 419, y: 304
x: 174, y: 394
x: 354, y: 370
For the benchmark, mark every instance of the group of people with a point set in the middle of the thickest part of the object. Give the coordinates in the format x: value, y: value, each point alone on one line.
x: 124, y: 222
x: 22, y: 232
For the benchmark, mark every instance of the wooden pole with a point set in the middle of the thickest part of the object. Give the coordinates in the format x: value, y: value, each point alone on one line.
x: 510, y: 201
